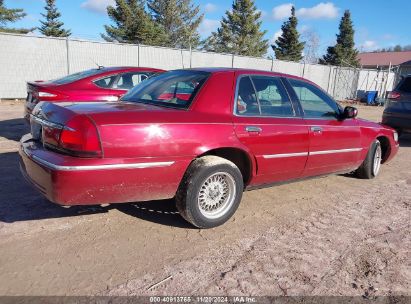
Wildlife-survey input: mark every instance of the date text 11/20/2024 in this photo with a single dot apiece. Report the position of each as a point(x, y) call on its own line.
point(203, 299)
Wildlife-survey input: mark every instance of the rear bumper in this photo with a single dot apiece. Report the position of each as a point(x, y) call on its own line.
point(397, 121)
point(67, 180)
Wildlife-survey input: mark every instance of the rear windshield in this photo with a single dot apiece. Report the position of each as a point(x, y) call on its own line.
point(175, 89)
point(77, 76)
point(405, 85)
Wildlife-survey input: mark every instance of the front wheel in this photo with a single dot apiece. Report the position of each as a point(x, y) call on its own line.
point(372, 163)
point(210, 191)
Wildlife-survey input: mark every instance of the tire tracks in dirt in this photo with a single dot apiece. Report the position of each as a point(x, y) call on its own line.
point(357, 246)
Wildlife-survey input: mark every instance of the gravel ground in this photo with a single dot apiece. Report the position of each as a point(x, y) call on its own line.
point(330, 236)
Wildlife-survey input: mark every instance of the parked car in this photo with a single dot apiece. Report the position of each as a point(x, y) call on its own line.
point(397, 112)
point(100, 84)
point(231, 130)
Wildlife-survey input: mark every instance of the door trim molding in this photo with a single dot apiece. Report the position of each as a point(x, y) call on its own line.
point(284, 155)
point(335, 151)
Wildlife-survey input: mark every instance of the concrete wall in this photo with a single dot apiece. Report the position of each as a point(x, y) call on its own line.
point(25, 58)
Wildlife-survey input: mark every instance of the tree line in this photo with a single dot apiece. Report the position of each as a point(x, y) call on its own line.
point(175, 23)
point(397, 48)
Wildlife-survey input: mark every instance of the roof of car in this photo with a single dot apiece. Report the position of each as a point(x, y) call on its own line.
point(244, 71)
point(115, 68)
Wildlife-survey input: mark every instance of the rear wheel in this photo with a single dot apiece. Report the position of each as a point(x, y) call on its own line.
point(210, 192)
point(371, 166)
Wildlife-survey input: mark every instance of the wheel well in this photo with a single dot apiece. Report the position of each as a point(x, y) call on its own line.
point(238, 157)
point(385, 147)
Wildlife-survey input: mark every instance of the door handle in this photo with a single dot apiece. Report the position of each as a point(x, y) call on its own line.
point(316, 129)
point(252, 129)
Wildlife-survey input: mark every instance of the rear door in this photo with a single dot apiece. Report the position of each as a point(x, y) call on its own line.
point(335, 143)
point(270, 125)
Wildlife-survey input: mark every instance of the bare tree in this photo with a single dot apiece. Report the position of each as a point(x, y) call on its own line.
point(312, 45)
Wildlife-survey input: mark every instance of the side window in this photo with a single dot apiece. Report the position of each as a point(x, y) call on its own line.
point(315, 103)
point(246, 103)
point(106, 83)
point(127, 81)
point(272, 96)
point(262, 96)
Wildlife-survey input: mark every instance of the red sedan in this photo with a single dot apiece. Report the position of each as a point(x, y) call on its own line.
point(201, 136)
point(102, 84)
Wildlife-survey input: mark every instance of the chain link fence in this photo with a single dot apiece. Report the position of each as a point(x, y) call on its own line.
point(26, 58)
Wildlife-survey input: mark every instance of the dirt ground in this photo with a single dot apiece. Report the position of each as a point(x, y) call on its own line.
point(331, 236)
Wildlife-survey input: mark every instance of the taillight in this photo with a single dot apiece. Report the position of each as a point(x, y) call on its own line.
point(394, 95)
point(46, 94)
point(80, 137)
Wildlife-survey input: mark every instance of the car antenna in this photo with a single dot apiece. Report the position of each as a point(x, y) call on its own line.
point(98, 66)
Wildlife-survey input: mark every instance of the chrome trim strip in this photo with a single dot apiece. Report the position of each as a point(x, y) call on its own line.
point(285, 155)
point(100, 167)
point(46, 123)
point(335, 151)
point(50, 124)
point(311, 153)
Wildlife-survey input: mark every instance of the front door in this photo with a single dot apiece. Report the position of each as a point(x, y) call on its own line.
point(268, 123)
point(335, 143)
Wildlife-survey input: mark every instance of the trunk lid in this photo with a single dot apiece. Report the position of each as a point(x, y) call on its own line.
point(75, 128)
point(101, 113)
point(45, 87)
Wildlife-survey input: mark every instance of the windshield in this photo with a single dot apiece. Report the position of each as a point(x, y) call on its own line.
point(77, 76)
point(175, 89)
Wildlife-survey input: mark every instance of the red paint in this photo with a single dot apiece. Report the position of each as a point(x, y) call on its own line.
point(131, 133)
point(80, 90)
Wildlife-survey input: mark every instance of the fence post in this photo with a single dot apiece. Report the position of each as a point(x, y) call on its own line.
point(232, 60)
point(335, 80)
point(191, 59)
point(354, 84)
point(68, 56)
point(272, 63)
point(138, 55)
point(303, 70)
point(329, 80)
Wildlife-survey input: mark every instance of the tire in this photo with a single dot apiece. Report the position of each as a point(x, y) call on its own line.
point(210, 191)
point(372, 164)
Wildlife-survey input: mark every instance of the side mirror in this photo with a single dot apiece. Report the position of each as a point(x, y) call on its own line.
point(350, 112)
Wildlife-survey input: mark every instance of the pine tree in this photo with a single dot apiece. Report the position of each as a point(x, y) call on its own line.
point(9, 16)
point(397, 48)
point(344, 52)
point(239, 32)
point(180, 20)
point(52, 26)
point(288, 45)
point(132, 24)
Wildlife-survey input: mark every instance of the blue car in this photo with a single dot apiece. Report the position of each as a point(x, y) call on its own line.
point(397, 113)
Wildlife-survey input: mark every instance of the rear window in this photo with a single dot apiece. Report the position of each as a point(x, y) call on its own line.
point(405, 85)
point(76, 76)
point(175, 89)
